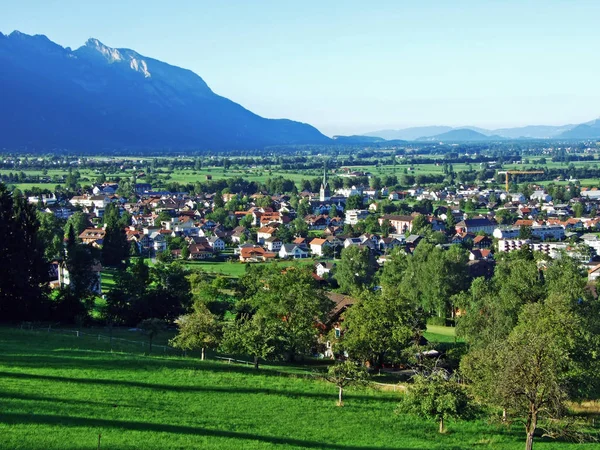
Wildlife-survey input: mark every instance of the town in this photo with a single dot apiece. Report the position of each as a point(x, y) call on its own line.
point(225, 227)
point(317, 225)
point(359, 263)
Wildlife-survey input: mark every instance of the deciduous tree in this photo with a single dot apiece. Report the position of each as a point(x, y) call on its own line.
point(345, 374)
point(198, 330)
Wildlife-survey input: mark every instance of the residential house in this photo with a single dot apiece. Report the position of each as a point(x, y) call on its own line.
point(60, 270)
point(265, 233)
point(412, 241)
point(99, 201)
point(92, 235)
point(591, 193)
point(237, 234)
point(273, 244)
point(352, 241)
point(255, 253)
point(200, 251)
point(400, 223)
point(324, 267)
point(301, 242)
point(319, 222)
point(594, 273)
point(548, 232)
point(159, 242)
point(341, 304)
point(506, 232)
point(216, 243)
point(540, 196)
point(292, 251)
point(463, 238)
point(482, 242)
point(477, 254)
point(476, 225)
point(317, 246)
point(353, 216)
point(388, 243)
point(61, 212)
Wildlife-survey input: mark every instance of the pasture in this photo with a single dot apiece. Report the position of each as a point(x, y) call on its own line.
point(63, 392)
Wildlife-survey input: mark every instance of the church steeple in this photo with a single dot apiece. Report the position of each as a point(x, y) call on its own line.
point(324, 193)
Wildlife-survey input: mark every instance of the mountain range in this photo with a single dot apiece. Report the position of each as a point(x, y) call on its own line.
point(588, 130)
point(97, 97)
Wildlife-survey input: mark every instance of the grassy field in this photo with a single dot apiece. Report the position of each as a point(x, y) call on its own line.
point(261, 174)
point(438, 333)
point(61, 392)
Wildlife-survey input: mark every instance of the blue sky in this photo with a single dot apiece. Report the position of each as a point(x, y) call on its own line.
point(356, 66)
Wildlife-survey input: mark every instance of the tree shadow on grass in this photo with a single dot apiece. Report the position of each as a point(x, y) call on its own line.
point(187, 388)
point(66, 421)
point(69, 401)
point(65, 359)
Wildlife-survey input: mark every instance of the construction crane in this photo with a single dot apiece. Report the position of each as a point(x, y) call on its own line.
point(519, 172)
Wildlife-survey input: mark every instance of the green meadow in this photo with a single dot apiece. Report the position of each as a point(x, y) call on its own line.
point(64, 392)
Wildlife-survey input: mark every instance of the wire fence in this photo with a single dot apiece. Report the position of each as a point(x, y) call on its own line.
point(129, 345)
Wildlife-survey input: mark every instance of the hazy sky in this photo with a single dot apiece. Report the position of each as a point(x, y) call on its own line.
point(357, 66)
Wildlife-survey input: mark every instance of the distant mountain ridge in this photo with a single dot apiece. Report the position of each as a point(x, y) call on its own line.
point(460, 135)
point(588, 130)
point(106, 98)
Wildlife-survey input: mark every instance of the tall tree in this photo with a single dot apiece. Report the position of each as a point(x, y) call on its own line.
point(256, 336)
point(294, 299)
point(379, 328)
point(543, 350)
point(79, 221)
point(437, 396)
point(354, 202)
point(115, 248)
point(23, 270)
point(346, 374)
point(355, 269)
point(432, 276)
point(198, 330)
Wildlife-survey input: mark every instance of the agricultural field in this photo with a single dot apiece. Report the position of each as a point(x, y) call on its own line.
point(63, 392)
point(261, 174)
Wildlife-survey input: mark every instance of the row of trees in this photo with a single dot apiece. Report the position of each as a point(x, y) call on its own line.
point(532, 333)
point(533, 340)
point(275, 316)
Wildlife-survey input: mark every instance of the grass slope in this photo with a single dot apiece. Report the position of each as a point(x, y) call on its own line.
point(61, 392)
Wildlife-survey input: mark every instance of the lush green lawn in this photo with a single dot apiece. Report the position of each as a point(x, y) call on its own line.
point(59, 392)
point(108, 281)
point(438, 333)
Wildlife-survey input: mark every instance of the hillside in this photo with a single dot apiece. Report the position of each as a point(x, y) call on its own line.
point(460, 135)
point(61, 392)
point(409, 133)
point(590, 130)
point(97, 97)
point(356, 139)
